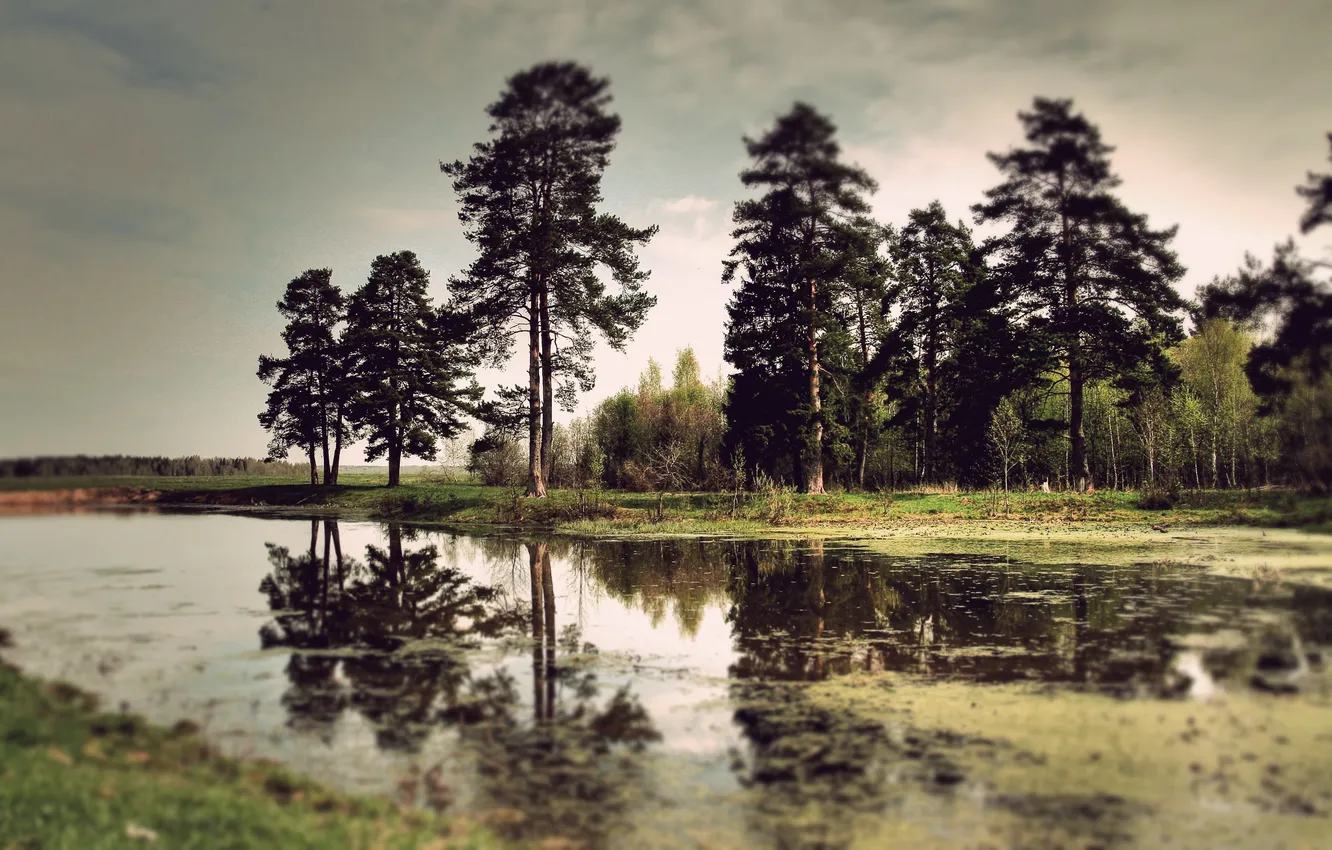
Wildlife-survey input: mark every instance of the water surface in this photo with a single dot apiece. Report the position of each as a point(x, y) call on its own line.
point(664, 693)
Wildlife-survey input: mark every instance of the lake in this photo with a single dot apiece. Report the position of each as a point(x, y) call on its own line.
point(718, 692)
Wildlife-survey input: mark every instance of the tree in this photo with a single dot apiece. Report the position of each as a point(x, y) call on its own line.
point(1291, 370)
point(793, 243)
point(411, 373)
point(1006, 435)
point(1300, 307)
point(528, 200)
point(1318, 192)
point(1212, 366)
point(302, 408)
point(1095, 282)
point(867, 289)
point(932, 272)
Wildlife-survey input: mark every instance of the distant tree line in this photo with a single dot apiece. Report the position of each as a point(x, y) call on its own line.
point(130, 465)
point(865, 354)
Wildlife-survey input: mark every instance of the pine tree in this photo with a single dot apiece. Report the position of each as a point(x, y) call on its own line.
point(411, 365)
point(528, 198)
point(794, 243)
point(1095, 282)
point(302, 407)
point(867, 290)
point(932, 271)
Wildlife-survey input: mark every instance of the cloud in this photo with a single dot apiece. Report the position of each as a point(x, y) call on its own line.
point(410, 220)
point(148, 49)
point(689, 204)
point(111, 217)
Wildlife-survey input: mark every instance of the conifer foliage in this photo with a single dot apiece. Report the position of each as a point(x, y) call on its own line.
point(410, 375)
point(528, 198)
point(1094, 280)
point(303, 409)
point(793, 244)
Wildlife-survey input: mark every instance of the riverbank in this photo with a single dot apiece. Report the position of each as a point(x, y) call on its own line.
point(423, 499)
point(73, 776)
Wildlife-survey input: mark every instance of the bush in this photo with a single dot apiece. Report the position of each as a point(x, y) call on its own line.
point(772, 500)
point(1159, 498)
point(497, 462)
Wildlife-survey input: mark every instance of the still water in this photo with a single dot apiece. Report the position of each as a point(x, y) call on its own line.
point(680, 692)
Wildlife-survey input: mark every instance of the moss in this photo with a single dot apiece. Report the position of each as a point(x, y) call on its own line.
point(1243, 769)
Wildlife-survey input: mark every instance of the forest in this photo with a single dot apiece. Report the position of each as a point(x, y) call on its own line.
point(863, 355)
point(46, 467)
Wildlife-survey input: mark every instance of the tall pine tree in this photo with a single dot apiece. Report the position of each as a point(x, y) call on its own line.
point(794, 243)
point(302, 408)
point(1096, 283)
point(411, 366)
point(932, 271)
point(528, 198)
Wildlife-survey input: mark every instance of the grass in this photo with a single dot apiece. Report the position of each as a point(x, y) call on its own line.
point(72, 776)
point(423, 498)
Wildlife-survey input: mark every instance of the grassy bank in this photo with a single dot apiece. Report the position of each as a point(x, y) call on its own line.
point(425, 499)
point(72, 776)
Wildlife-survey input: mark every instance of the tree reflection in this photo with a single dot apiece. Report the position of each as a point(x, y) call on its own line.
point(560, 768)
point(383, 635)
point(387, 636)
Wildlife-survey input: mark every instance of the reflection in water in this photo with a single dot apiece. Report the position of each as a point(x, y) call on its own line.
point(384, 635)
point(389, 637)
point(392, 637)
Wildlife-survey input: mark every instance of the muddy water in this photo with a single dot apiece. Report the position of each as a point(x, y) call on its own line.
point(710, 693)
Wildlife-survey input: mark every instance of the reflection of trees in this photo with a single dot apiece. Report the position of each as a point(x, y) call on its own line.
point(800, 613)
point(386, 636)
point(383, 636)
point(657, 576)
point(561, 767)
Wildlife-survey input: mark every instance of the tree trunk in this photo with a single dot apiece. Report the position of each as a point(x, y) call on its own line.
point(814, 472)
point(535, 553)
point(314, 471)
point(323, 599)
point(395, 563)
point(547, 390)
point(862, 449)
point(536, 483)
point(1079, 474)
point(548, 591)
point(395, 450)
point(323, 436)
point(337, 550)
point(1114, 458)
point(332, 477)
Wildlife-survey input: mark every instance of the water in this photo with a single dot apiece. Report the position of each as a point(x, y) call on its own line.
point(665, 693)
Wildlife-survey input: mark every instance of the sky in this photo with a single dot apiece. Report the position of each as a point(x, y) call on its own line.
point(167, 166)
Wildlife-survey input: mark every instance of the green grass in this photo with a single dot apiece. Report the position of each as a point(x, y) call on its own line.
point(75, 777)
point(431, 499)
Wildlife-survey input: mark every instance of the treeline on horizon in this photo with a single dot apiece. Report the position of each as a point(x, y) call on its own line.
point(865, 354)
point(65, 465)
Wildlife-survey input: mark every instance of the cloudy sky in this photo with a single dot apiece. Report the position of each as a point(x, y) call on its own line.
point(166, 166)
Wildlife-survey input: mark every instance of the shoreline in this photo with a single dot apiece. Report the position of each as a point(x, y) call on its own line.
point(1249, 550)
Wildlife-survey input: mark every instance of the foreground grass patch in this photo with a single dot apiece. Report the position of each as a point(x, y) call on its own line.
point(74, 777)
